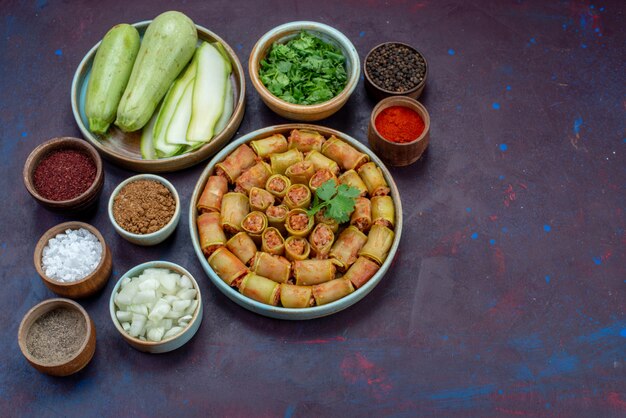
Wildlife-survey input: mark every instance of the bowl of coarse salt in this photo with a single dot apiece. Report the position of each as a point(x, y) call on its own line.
point(73, 260)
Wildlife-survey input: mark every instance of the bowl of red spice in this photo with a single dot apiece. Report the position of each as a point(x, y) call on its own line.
point(145, 209)
point(399, 130)
point(64, 174)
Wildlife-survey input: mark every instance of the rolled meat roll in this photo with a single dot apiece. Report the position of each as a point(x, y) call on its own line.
point(260, 289)
point(255, 176)
point(211, 198)
point(362, 215)
point(270, 145)
point(373, 178)
point(310, 272)
point(321, 218)
point(361, 271)
point(298, 223)
point(351, 178)
point(297, 196)
point(242, 246)
point(320, 161)
point(280, 162)
point(297, 248)
point(348, 157)
point(227, 266)
point(383, 211)
point(276, 217)
point(210, 232)
point(304, 140)
point(260, 199)
point(378, 243)
point(331, 291)
point(321, 240)
point(292, 296)
point(277, 185)
point(347, 246)
point(272, 241)
point(320, 177)
point(234, 208)
point(236, 163)
point(300, 173)
point(273, 267)
point(254, 224)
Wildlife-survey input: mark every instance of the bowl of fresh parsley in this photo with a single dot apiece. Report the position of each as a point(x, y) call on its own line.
point(304, 71)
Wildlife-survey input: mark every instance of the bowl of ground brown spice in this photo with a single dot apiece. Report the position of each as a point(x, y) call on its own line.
point(145, 209)
point(57, 337)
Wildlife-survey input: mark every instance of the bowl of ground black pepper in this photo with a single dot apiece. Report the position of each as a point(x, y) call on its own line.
point(64, 174)
point(144, 209)
point(395, 69)
point(57, 337)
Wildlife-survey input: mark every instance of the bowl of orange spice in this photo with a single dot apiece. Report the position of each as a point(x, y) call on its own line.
point(399, 130)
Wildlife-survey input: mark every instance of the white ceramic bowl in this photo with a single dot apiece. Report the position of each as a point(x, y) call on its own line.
point(276, 311)
point(154, 237)
point(168, 344)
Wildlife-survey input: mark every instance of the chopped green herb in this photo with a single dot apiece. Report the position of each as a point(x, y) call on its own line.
point(338, 201)
point(305, 70)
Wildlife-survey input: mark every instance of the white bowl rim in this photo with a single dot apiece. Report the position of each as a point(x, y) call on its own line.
point(155, 234)
point(136, 271)
point(292, 313)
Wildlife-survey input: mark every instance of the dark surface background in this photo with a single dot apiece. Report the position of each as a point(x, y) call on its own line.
point(507, 295)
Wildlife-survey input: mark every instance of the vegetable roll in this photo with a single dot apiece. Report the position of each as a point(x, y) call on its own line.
point(378, 243)
point(321, 218)
point(383, 211)
point(298, 223)
point(320, 177)
point(270, 145)
point(280, 162)
point(234, 208)
point(321, 240)
point(320, 161)
point(227, 266)
point(292, 296)
point(348, 157)
point(255, 176)
point(272, 241)
point(276, 217)
point(211, 198)
point(254, 224)
point(362, 215)
point(297, 248)
point(300, 173)
point(260, 199)
point(305, 140)
point(345, 249)
point(242, 246)
point(236, 163)
point(310, 272)
point(297, 196)
point(274, 267)
point(210, 232)
point(331, 291)
point(277, 185)
point(361, 271)
point(373, 178)
point(351, 178)
point(260, 289)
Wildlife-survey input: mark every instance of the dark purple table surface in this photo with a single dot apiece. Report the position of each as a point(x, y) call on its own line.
point(507, 295)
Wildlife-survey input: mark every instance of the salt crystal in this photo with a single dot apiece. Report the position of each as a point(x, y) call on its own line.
point(72, 255)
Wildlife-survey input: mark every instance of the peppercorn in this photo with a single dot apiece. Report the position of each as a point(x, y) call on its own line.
point(396, 67)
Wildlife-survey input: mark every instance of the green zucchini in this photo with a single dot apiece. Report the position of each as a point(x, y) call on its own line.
point(110, 72)
point(209, 93)
point(146, 145)
point(177, 128)
point(167, 46)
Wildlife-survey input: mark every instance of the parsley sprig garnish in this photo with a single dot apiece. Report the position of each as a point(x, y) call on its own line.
point(338, 201)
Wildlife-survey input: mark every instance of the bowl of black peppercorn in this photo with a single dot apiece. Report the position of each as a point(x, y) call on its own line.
point(395, 69)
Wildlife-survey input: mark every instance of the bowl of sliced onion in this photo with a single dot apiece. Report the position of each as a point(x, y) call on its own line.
point(156, 306)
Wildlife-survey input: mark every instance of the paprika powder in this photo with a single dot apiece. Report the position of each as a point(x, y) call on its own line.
point(64, 174)
point(399, 124)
